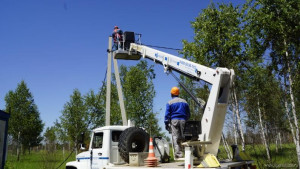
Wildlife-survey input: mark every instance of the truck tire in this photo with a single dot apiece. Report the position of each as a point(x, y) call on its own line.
point(133, 139)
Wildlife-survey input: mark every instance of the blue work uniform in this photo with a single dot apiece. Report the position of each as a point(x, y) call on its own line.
point(177, 113)
point(177, 108)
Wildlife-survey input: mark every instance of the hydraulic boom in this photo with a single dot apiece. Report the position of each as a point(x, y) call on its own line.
point(220, 79)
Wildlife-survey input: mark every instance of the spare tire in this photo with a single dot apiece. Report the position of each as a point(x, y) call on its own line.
point(133, 139)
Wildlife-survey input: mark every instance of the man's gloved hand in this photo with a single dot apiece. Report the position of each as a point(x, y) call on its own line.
point(167, 126)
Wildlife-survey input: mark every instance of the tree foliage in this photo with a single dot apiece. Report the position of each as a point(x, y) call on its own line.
point(74, 119)
point(218, 37)
point(84, 113)
point(25, 125)
point(115, 111)
point(200, 90)
point(50, 136)
point(139, 93)
point(265, 89)
point(245, 38)
point(219, 41)
point(95, 108)
point(272, 28)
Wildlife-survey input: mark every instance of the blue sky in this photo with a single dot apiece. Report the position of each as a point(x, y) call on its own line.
point(56, 46)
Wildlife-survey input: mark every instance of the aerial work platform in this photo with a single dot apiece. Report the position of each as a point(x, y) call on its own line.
point(126, 55)
point(123, 51)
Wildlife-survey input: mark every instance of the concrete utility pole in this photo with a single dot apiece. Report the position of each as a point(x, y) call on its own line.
point(119, 88)
point(120, 94)
point(108, 83)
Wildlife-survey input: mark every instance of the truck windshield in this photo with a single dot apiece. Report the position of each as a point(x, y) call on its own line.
point(97, 140)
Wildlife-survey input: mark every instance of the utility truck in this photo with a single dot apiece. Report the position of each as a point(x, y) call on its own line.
point(111, 146)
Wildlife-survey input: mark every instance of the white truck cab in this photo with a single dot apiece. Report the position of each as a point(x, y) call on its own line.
point(111, 145)
point(103, 149)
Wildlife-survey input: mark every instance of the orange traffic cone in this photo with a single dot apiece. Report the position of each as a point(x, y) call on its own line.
point(151, 161)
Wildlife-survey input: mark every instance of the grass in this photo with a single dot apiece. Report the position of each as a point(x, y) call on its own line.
point(284, 158)
point(41, 159)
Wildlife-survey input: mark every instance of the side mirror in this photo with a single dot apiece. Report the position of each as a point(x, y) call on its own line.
point(82, 138)
point(82, 147)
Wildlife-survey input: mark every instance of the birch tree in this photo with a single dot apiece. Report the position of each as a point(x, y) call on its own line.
point(278, 24)
point(263, 102)
point(218, 42)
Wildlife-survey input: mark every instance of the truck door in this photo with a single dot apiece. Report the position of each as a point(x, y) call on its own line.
point(97, 151)
point(115, 157)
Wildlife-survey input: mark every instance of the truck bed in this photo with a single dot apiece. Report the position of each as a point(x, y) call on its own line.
point(224, 165)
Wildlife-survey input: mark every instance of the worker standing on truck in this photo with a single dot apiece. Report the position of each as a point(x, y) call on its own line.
point(177, 113)
point(117, 36)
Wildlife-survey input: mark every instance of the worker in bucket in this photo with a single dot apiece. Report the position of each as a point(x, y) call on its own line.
point(177, 113)
point(117, 36)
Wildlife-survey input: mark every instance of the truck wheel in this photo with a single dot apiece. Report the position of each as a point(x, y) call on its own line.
point(133, 139)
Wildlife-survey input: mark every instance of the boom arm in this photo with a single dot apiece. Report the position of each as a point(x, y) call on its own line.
point(175, 63)
point(220, 78)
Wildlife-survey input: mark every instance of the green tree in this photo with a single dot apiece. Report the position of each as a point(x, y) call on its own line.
point(25, 125)
point(263, 103)
point(95, 108)
point(50, 137)
point(200, 90)
point(62, 138)
point(218, 42)
point(139, 92)
point(277, 28)
point(74, 119)
point(115, 110)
